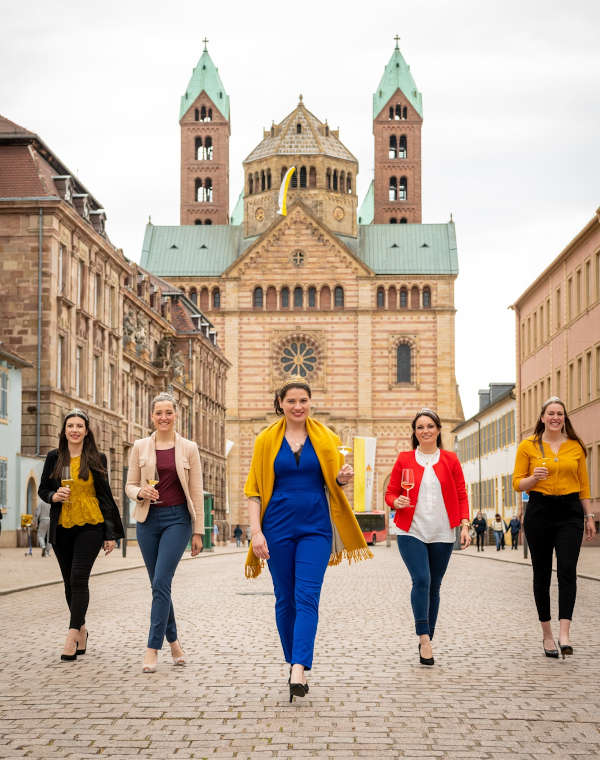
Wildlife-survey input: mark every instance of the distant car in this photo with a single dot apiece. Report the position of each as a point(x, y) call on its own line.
point(372, 525)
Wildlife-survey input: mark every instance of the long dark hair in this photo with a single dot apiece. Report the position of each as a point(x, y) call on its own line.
point(432, 416)
point(280, 394)
point(90, 456)
point(569, 429)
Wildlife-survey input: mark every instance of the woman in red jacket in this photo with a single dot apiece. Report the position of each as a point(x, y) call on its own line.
point(426, 519)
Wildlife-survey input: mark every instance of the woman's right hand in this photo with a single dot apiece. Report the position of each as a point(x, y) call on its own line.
point(62, 494)
point(147, 492)
point(401, 502)
point(540, 473)
point(259, 545)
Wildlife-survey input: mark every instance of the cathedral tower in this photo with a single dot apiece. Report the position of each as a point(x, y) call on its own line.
point(205, 129)
point(397, 121)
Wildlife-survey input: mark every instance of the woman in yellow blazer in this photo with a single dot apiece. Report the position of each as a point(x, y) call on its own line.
point(165, 480)
point(550, 464)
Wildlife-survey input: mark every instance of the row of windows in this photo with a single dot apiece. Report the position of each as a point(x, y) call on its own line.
point(203, 221)
point(91, 291)
point(394, 298)
point(493, 494)
point(398, 189)
point(496, 435)
point(402, 220)
point(398, 148)
point(582, 290)
point(203, 149)
point(334, 180)
point(203, 190)
point(273, 300)
point(203, 114)
point(205, 299)
point(398, 112)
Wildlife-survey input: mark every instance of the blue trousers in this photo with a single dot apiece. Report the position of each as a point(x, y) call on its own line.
point(298, 567)
point(426, 564)
point(162, 539)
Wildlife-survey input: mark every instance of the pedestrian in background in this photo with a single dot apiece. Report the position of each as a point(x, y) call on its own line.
point(551, 465)
point(480, 526)
point(237, 534)
point(515, 528)
point(83, 517)
point(296, 466)
point(41, 522)
point(248, 534)
point(426, 519)
point(165, 480)
point(498, 527)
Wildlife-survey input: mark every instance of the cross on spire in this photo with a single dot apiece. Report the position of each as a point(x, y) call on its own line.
point(397, 41)
point(205, 41)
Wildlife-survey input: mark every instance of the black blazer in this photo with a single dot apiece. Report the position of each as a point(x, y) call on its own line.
point(113, 527)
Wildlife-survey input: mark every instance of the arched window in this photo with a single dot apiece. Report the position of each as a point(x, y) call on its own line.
point(216, 298)
point(403, 298)
point(294, 179)
point(194, 296)
point(257, 298)
point(380, 298)
point(414, 297)
point(198, 221)
point(335, 179)
point(198, 190)
point(284, 298)
point(348, 183)
point(338, 297)
point(203, 113)
point(256, 182)
point(198, 148)
point(393, 189)
point(328, 176)
point(403, 220)
point(392, 297)
point(312, 177)
point(405, 113)
point(263, 181)
point(402, 147)
point(208, 221)
point(391, 113)
point(393, 220)
point(283, 171)
point(426, 297)
point(204, 299)
point(208, 149)
point(398, 112)
point(298, 297)
point(298, 129)
point(208, 190)
point(196, 114)
point(393, 152)
point(312, 297)
point(250, 184)
point(271, 299)
point(342, 181)
point(303, 176)
point(403, 363)
point(403, 189)
point(268, 179)
point(325, 297)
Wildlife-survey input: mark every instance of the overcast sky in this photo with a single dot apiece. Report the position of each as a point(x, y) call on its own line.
point(511, 100)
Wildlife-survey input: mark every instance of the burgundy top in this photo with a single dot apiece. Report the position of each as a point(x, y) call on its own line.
point(169, 487)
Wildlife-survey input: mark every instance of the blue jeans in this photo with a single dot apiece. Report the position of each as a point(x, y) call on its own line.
point(162, 539)
point(426, 564)
point(498, 534)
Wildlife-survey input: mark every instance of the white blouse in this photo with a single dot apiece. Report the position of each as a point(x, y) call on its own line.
point(430, 522)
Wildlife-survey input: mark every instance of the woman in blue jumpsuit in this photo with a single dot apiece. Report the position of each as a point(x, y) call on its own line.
point(296, 534)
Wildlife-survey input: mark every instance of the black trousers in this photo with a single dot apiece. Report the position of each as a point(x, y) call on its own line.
point(554, 523)
point(76, 550)
point(480, 540)
point(515, 540)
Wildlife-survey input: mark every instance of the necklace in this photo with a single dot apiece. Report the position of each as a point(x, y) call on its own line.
point(295, 444)
point(428, 457)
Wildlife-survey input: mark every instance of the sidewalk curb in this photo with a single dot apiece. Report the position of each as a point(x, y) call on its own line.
point(16, 589)
point(525, 564)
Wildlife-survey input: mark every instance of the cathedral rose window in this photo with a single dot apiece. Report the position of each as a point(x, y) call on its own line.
point(298, 358)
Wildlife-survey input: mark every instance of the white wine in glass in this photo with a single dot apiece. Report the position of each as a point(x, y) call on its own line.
point(407, 479)
point(66, 480)
point(153, 482)
point(345, 448)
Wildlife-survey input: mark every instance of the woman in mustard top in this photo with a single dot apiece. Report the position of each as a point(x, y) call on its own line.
point(83, 517)
point(550, 464)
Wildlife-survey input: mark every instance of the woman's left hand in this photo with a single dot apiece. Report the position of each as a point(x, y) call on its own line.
point(465, 538)
point(108, 546)
point(197, 544)
point(590, 528)
point(345, 475)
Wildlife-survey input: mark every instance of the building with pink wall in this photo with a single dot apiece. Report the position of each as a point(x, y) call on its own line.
point(558, 344)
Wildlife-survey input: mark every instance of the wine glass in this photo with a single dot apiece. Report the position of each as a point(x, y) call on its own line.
point(541, 462)
point(153, 481)
point(407, 480)
point(345, 447)
point(66, 480)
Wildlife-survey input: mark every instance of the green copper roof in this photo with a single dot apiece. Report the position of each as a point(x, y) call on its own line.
point(409, 248)
point(396, 75)
point(367, 208)
point(207, 250)
point(237, 215)
point(205, 77)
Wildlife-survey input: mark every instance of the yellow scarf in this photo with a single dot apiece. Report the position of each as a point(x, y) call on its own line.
point(261, 480)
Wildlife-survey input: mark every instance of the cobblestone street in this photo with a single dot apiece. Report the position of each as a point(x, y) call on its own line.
point(491, 694)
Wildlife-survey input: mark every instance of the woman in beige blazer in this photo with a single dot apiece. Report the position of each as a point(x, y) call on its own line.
point(165, 480)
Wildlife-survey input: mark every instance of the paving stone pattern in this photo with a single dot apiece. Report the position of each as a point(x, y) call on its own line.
point(491, 694)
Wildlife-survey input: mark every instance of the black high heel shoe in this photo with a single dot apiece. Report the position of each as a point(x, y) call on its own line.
point(550, 652)
point(298, 690)
point(82, 651)
point(425, 660)
point(565, 649)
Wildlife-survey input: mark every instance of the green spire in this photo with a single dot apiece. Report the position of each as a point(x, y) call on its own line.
point(397, 75)
point(205, 77)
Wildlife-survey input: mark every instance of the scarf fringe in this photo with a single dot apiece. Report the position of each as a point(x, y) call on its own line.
point(352, 555)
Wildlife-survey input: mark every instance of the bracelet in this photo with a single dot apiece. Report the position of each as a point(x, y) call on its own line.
point(341, 485)
point(590, 514)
